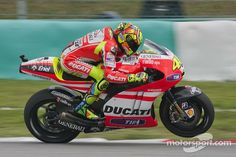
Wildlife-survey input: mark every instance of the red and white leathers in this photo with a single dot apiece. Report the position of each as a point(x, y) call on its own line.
point(80, 57)
point(96, 47)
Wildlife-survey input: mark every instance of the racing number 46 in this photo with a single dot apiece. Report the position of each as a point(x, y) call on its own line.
point(176, 63)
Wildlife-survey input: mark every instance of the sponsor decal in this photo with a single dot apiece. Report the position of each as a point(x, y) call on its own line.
point(96, 36)
point(148, 61)
point(110, 60)
point(79, 67)
point(133, 122)
point(63, 101)
point(71, 125)
point(125, 111)
point(190, 112)
point(34, 67)
point(173, 77)
point(129, 60)
point(41, 68)
point(44, 69)
point(184, 105)
point(55, 93)
point(116, 78)
point(195, 90)
point(78, 42)
point(150, 56)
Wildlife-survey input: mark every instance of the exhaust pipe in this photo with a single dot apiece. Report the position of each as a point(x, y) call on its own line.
point(75, 123)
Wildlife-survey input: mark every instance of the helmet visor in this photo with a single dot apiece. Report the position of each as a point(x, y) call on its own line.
point(132, 44)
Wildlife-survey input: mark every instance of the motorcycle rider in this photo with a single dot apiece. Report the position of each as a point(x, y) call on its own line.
point(86, 56)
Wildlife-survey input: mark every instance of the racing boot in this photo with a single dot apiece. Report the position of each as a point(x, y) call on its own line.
point(82, 108)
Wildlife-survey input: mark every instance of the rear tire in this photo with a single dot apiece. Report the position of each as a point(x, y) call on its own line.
point(201, 122)
point(50, 132)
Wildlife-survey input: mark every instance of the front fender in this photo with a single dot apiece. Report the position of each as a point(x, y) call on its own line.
point(183, 93)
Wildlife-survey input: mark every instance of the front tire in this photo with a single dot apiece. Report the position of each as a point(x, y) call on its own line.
point(198, 124)
point(40, 116)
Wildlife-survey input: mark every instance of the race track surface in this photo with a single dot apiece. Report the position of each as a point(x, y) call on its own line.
point(38, 149)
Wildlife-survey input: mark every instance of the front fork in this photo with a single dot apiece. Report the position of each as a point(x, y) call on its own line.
point(172, 100)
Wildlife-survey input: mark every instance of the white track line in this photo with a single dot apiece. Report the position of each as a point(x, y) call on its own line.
point(94, 140)
point(85, 140)
point(10, 108)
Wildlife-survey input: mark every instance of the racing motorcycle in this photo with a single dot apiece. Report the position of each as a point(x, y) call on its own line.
point(184, 110)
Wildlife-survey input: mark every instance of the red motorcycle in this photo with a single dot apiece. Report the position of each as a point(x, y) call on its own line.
point(185, 111)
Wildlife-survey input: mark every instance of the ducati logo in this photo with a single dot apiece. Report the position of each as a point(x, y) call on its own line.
point(125, 111)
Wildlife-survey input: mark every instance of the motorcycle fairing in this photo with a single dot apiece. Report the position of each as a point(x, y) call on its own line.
point(49, 68)
point(130, 109)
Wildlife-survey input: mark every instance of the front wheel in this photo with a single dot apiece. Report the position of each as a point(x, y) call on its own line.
point(41, 119)
point(200, 113)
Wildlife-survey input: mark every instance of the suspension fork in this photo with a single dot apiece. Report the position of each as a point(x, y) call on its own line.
point(172, 100)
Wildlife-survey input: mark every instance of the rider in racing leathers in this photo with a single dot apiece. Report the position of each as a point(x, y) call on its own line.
point(85, 57)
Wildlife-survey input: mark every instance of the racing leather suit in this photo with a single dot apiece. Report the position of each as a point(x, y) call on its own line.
point(85, 57)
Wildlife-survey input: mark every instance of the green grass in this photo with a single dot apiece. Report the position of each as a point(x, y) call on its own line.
point(61, 9)
point(15, 94)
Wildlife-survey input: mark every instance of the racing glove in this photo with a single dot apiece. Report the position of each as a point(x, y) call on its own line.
point(139, 77)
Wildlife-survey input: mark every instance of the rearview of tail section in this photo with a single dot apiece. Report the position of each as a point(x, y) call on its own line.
point(39, 67)
point(49, 68)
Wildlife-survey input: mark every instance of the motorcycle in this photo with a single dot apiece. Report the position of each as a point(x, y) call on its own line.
point(184, 110)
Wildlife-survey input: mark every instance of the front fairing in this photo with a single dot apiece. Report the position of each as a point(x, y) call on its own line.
point(155, 56)
point(163, 67)
point(151, 56)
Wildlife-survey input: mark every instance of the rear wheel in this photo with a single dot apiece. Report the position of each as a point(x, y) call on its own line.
point(200, 113)
point(41, 118)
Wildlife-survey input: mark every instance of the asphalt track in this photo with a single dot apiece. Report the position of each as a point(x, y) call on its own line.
point(76, 149)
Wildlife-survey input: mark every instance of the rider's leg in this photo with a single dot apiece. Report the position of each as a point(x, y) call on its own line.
point(98, 86)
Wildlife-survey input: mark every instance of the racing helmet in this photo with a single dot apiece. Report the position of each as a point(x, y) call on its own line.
point(129, 37)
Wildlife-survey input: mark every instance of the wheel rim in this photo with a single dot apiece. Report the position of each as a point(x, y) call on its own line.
point(199, 119)
point(48, 117)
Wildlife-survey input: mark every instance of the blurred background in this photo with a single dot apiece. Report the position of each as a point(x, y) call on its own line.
point(92, 9)
point(201, 32)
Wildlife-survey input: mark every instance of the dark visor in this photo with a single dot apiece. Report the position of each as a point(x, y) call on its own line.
point(132, 44)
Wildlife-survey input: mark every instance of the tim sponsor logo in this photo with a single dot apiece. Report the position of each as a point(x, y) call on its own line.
point(132, 122)
point(173, 77)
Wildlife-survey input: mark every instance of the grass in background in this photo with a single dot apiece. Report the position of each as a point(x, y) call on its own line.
point(62, 9)
point(15, 93)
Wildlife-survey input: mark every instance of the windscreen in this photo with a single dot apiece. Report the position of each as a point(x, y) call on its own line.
point(151, 47)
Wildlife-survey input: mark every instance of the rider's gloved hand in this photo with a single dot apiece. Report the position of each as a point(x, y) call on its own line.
point(139, 77)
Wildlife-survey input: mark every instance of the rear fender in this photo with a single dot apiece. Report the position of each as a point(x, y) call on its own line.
point(183, 93)
point(65, 95)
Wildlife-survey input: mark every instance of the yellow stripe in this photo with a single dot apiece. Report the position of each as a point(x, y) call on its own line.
point(99, 47)
point(58, 71)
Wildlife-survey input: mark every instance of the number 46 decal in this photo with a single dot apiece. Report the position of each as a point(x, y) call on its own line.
point(176, 63)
